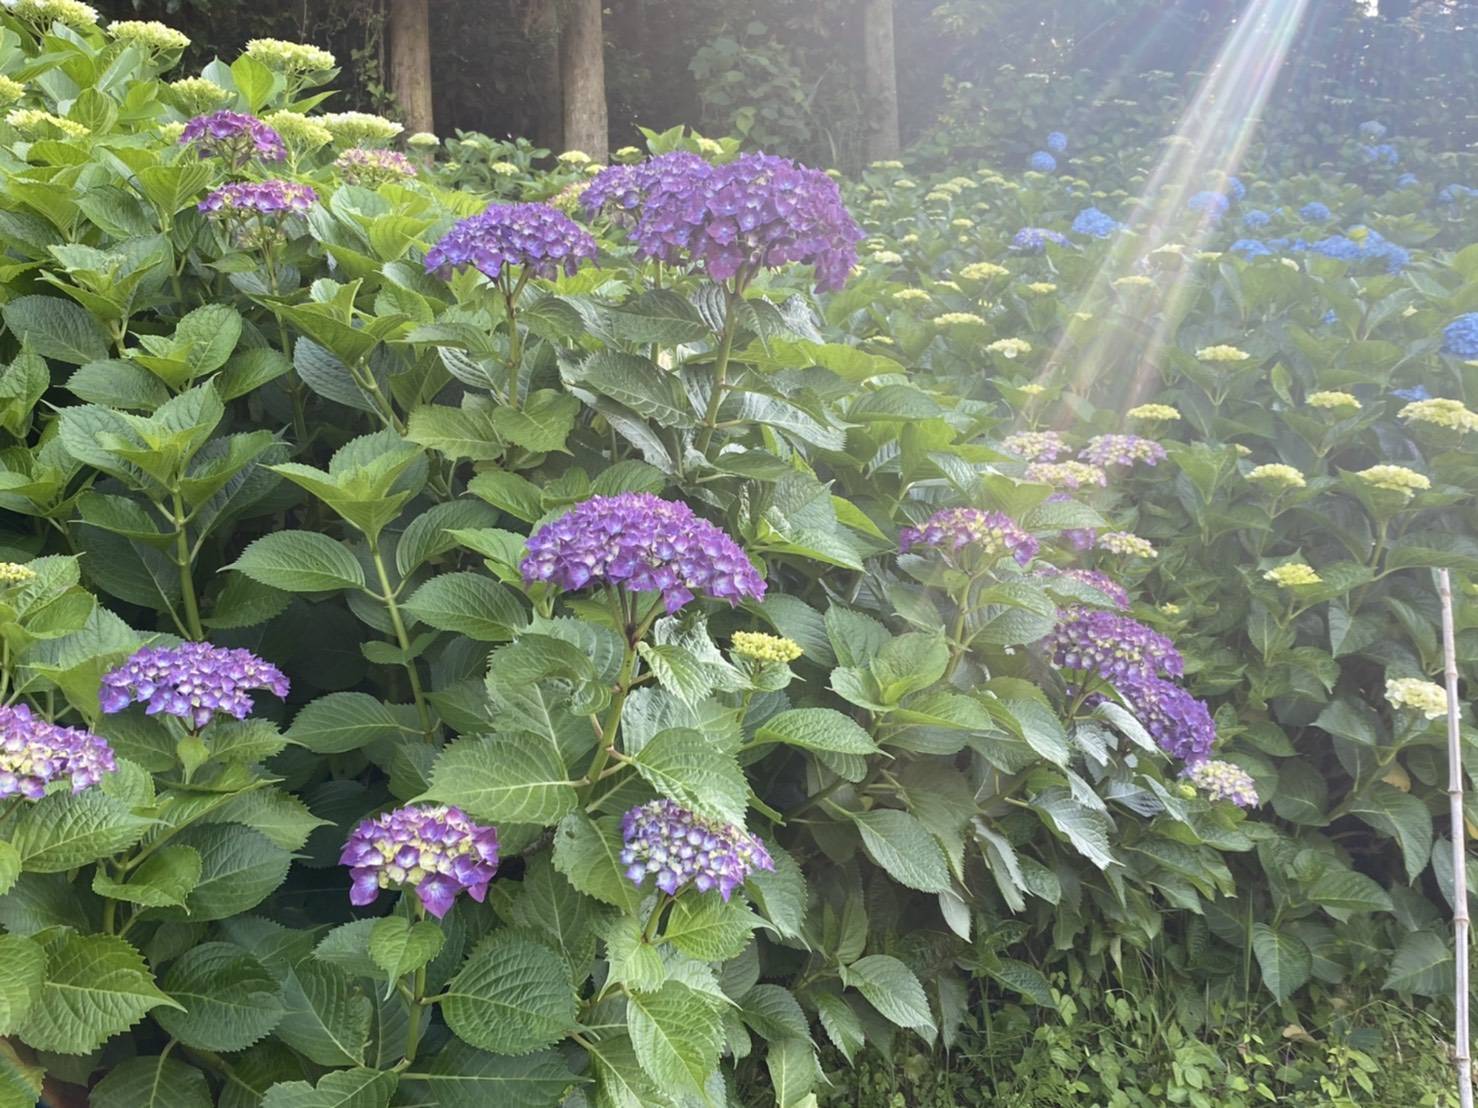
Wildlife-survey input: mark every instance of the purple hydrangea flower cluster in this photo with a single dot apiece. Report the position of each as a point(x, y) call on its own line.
point(991, 534)
point(234, 136)
point(34, 753)
point(1034, 240)
point(645, 544)
point(1223, 781)
point(1035, 446)
point(437, 851)
point(623, 188)
point(679, 848)
point(536, 236)
point(1093, 578)
point(1122, 450)
point(193, 681)
point(1180, 724)
point(732, 220)
point(361, 166)
point(1112, 646)
point(260, 198)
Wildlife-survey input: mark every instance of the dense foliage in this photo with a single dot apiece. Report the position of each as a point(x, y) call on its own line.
point(620, 651)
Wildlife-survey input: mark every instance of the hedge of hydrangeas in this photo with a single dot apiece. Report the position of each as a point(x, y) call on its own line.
point(1072, 558)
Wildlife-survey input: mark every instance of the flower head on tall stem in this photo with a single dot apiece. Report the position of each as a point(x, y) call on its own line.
point(1110, 646)
point(970, 531)
point(643, 544)
point(34, 753)
point(678, 849)
point(544, 241)
point(233, 136)
point(436, 850)
point(194, 681)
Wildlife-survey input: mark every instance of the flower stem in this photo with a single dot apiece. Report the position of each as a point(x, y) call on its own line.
point(418, 988)
point(387, 597)
point(187, 579)
point(720, 369)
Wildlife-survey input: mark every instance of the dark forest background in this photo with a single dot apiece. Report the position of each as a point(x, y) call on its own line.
point(810, 77)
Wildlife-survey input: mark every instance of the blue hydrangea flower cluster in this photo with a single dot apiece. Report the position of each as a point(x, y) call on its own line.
point(1373, 247)
point(1256, 217)
point(1382, 154)
point(1407, 181)
point(1093, 578)
point(984, 534)
point(645, 544)
point(1056, 142)
point(437, 851)
point(1043, 162)
point(1315, 212)
point(1122, 450)
point(1095, 224)
point(1111, 646)
point(194, 681)
point(234, 136)
point(268, 198)
point(1236, 189)
point(1251, 248)
point(1180, 724)
point(538, 237)
point(1034, 240)
point(1223, 781)
point(1451, 194)
point(1373, 129)
point(1460, 337)
point(1414, 394)
point(732, 220)
point(679, 849)
point(34, 753)
point(1209, 204)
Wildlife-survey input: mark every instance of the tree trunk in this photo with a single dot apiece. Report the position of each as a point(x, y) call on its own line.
point(881, 75)
point(550, 112)
point(409, 28)
point(582, 64)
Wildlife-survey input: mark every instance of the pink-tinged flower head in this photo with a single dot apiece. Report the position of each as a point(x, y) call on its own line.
point(437, 851)
point(536, 236)
point(1223, 781)
point(234, 136)
point(1111, 646)
point(261, 198)
point(1121, 450)
point(194, 681)
point(678, 848)
point(987, 535)
point(34, 753)
point(361, 166)
point(645, 544)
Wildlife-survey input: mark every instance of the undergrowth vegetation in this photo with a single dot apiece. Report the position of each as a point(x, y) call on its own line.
point(669, 644)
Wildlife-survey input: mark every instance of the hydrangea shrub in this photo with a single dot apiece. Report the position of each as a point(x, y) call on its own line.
point(636, 634)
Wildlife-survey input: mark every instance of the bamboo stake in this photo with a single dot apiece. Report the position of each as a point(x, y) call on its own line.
point(1462, 1052)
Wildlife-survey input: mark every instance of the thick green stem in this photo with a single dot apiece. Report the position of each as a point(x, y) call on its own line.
point(611, 724)
point(650, 931)
point(187, 578)
point(387, 597)
point(720, 370)
point(418, 989)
